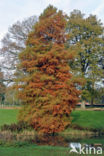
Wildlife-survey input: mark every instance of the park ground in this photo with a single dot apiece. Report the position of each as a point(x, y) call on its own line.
point(82, 118)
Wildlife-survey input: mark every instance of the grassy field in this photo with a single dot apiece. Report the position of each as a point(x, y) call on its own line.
point(8, 116)
point(89, 119)
point(33, 150)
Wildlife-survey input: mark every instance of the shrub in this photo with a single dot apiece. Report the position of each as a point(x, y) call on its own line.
point(20, 126)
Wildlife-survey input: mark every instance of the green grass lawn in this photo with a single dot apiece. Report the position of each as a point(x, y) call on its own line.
point(90, 119)
point(33, 150)
point(8, 116)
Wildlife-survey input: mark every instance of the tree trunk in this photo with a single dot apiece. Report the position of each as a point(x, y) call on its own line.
point(92, 101)
point(83, 105)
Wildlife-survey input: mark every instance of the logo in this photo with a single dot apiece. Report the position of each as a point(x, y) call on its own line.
point(84, 149)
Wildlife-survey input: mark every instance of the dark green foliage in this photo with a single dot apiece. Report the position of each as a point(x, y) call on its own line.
point(20, 126)
point(2, 88)
point(86, 37)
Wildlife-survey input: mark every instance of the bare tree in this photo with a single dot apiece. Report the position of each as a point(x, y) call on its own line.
point(13, 43)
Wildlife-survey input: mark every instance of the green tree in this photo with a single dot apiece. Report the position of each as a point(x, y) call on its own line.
point(86, 37)
point(2, 88)
point(11, 97)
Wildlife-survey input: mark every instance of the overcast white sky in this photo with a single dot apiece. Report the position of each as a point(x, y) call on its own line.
point(13, 10)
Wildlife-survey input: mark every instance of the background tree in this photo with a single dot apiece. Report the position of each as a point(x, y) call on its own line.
point(2, 88)
point(11, 97)
point(86, 36)
point(47, 88)
point(13, 43)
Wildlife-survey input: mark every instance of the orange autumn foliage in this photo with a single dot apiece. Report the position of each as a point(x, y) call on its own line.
point(46, 88)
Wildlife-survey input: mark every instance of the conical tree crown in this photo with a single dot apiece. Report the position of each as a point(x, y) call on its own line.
point(47, 90)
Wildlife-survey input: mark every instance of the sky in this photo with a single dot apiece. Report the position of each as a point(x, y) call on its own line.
point(14, 10)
